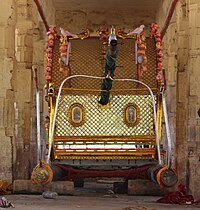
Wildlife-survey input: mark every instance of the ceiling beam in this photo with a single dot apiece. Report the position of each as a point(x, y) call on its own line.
point(169, 17)
point(41, 12)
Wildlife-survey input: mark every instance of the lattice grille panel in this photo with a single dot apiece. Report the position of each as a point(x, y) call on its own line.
point(105, 122)
point(135, 91)
point(126, 63)
point(128, 68)
point(57, 77)
point(86, 59)
point(150, 75)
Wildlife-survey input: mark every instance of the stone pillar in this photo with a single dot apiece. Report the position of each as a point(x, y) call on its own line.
point(30, 42)
point(188, 56)
point(39, 60)
point(182, 58)
point(7, 65)
point(182, 93)
point(23, 88)
point(170, 48)
point(193, 123)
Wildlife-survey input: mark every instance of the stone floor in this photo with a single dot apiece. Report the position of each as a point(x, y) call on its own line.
point(98, 197)
point(92, 202)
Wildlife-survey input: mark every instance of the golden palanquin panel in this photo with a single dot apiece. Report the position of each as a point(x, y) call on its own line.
point(105, 122)
point(86, 60)
point(57, 77)
point(104, 127)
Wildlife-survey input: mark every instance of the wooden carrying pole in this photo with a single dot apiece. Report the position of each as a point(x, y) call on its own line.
point(39, 154)
point(41, 12)
point(169, 17)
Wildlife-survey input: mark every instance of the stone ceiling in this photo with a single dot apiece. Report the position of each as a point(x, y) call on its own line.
point(128, 5)
point(77, 14)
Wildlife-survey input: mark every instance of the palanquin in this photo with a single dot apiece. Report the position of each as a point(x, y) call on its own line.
point(124, 133)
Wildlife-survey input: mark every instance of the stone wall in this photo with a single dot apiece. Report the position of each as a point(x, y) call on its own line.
point(182, 56)
point(39, 61)
point(181, 61)
point(7, 65)
point(170, 48)
point(21, 44)
point(93, 19)
point(192, 93)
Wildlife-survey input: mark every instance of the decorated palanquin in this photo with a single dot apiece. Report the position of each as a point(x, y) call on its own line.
point(125, 130)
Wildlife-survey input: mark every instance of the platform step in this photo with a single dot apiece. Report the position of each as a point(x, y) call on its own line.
point(27, 187)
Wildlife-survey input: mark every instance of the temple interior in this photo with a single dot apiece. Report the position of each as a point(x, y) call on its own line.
point(90, 88)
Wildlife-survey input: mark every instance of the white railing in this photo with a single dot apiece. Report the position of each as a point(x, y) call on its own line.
point(95, 77)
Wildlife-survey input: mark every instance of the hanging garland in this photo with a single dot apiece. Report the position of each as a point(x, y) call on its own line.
point(109, 54)
point(140, 51)
point(64, 49)
point(64, 56)
point(141, 55)
point(154, 32)
point(103, 36)
point(49, 52)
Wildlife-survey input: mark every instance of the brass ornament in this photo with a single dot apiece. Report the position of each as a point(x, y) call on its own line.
point(76, 115)
point(131, 114)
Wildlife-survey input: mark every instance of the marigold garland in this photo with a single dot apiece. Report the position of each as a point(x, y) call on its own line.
point(49, 52)
point(154, 32)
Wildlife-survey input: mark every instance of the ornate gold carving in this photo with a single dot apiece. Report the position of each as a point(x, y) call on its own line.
point(113, 156)
point(94, 139)
point(76, 114)
point(99, 121)
point(103, 34)
point(82, 35)
point(124, 35)
point(159, 116)
point(131, 114)
point(103, 124)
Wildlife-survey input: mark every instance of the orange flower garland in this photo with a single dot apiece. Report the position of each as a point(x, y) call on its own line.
point(154, 32)
point(104, 35)
point(63, 60)
point(49, 52)
point(141, 55)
